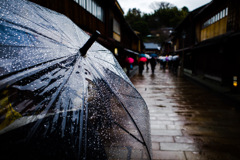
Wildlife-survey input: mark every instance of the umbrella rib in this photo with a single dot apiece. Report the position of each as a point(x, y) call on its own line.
point(132, 88)
point(131, 96)
point(33, 130)
point(119, 101)
point(128, 113)
point(8, 79)
point(125, 110)
point(129, 133)
point(81, 127)
point(55, 26)
point(99, 58)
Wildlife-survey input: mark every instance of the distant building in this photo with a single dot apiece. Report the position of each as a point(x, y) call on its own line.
point(105, 16)
point(166, 48)
point(207, 41)
point(151, 48)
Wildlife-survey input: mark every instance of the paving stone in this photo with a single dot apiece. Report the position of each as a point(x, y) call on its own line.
point(158, 126)
point(174, 127)
point(178, 147)
point(155, 146)
point(181, 139)
point(162, 122)
point(168, 155)
point(166, 132)
point(157, 138)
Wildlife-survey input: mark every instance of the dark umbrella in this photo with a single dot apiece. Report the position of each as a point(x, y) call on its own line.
point(154, 55)
point(142, 55)
point(59, 101)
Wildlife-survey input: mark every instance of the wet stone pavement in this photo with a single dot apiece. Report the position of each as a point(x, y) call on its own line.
point(188, 122)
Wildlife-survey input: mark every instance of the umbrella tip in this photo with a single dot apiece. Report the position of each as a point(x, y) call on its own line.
point(89, 43)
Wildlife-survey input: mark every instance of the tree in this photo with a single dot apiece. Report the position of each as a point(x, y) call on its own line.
point(161, 5)
point(165, 15)
point(133, 15)
point(141, 26)
point(185, 9)
point(136, 21)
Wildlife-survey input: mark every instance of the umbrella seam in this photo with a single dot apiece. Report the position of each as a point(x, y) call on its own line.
point(8, 77)
point(33, 130)
point(125, 110)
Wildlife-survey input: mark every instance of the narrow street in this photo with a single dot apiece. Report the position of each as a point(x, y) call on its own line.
point(188, 121)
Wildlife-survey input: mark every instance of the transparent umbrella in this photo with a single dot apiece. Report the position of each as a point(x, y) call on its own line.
point(60, 100)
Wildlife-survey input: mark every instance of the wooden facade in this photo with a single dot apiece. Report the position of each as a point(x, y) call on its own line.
point(116, 34)
point(207, 41)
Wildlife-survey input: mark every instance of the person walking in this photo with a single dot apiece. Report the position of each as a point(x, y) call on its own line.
point(153, 64)
point(141, 63)
point(141, 67)
point(129, 61)
point(147, 64)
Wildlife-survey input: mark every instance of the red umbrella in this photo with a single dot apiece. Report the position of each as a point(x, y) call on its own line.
point(130, 60)
point(143, 59)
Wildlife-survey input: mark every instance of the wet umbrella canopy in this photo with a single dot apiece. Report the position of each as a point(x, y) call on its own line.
point(153, 55)
point(142, 59)
point(130, 60)
point(142, 55)
point(56, 103)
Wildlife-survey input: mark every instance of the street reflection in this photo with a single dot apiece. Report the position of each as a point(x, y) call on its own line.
point(187, 120)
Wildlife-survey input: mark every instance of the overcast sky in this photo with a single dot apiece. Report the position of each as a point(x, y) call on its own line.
point(144, 5)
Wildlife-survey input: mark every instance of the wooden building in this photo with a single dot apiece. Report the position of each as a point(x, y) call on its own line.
point(107, 17)
point(207, 42)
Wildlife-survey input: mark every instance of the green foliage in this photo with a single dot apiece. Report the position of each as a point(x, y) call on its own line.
point(165, 15)
point(136, 21)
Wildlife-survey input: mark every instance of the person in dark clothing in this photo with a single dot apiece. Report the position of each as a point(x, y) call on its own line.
point(164, 63)
point(141, 67)
point(147, 64)
point(153, 64)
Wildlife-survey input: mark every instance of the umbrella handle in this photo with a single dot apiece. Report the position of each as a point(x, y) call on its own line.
point(89, 43)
